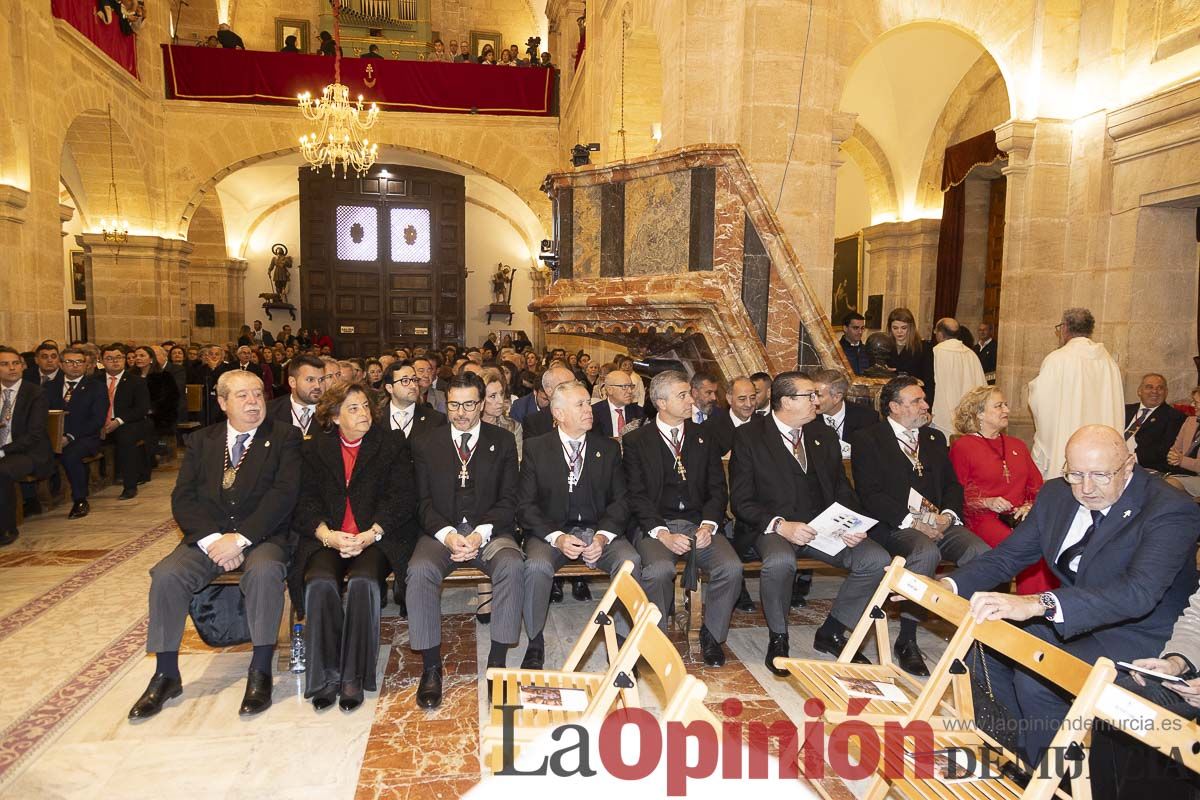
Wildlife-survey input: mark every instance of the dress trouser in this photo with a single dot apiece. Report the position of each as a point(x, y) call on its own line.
point(719, 563)
point(922, 555)
point(342, 647)
point(542, 560)
point(12, 469)
point(132, 465)
point(865, 561)
point(429, 566)
point(72, 463)
point(186, 570)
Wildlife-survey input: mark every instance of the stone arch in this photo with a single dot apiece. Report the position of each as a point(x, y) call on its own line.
point(869, 157)
point(85, 159)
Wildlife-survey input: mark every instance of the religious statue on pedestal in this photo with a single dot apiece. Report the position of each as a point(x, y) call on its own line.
point(279, 271)
point(501, 280)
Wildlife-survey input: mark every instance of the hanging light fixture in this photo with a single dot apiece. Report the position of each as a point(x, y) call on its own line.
point(116, 230)
point(341, 126)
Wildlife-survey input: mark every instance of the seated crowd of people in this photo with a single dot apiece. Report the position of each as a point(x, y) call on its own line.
point(327, 473)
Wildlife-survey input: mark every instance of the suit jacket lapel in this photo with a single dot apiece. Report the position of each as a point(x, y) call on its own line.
point(255, 455)
point(214, 466)
point(1062, 524)
point(1123, 512)
point(816, 454)
point(775, 445)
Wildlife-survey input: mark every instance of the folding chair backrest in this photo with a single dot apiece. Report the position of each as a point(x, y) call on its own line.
point(688, 704)
point(623, 589)
point(56, 423)
point(620, 671)
point(1151, 724)
point(195, 395)
point(664, 661)
point(1034, 655)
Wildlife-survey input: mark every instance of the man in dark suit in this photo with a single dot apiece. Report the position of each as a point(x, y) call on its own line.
point(233, 501)
point(466, 487)
point(890, 460)
point(306, 379)
point(609, 417)
point(985, 348)
point(125, 421)
point(411, 418)
point(1153, 423)
point(743, 400)
point(854, 325)
point(206, 372)
point(542, 421)
point(571, 505)
point(845, 418)
point(1123, 546)
point(24, 446)
point(245, 363)
point(677, 496)
point(86, 404)
point(785, 470)
point(705, 388)
point(46, 368)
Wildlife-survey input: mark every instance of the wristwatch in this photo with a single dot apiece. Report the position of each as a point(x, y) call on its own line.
point(1049, 603)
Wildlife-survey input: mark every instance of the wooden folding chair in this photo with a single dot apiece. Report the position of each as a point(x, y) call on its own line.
point(683, 694)
point(1154, 726)
point(1030, 653)
point(603, 691)
point(818, 678)
point(623, 588)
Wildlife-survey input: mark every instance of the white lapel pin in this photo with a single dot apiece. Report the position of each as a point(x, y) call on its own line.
point(816, 441)
point(597, 454)
point(1126, 515)
point(701, 441)
point(267, 443)
point(492, 449)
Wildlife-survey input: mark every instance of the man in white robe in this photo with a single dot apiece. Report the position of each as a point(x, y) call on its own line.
point(956, 371)
point(1078, 384)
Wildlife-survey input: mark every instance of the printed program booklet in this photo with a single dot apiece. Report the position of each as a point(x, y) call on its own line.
point(835, 522)
point(953, 765)
point(871, 689)
point(553, 698)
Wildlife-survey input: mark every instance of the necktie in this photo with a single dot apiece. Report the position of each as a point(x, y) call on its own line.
point(305, 416)
point(1076, 550)
point(675, 437)
point(576, 462)
point(1137, 423)
point(700, 416)
point(70, 391)
point(239, 448)
point(1195, 446)
point(464, 452)
point(45, 379)
point(798, 449)
point(6, 412)
point(112, 397)
point(620, 421)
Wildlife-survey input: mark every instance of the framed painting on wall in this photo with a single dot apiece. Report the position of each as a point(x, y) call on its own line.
point(292, 27)
point(79, 262)
point(480, 39)
point(847, 277)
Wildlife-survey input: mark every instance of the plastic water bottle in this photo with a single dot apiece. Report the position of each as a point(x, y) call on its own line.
point(298, 648)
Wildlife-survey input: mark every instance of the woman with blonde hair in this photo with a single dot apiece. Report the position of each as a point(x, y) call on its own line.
point(913, 356)
point(496, 402)
point(998, 476)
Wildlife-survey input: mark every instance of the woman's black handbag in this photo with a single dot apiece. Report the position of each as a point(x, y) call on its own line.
point(991, 717)
point(219, 614)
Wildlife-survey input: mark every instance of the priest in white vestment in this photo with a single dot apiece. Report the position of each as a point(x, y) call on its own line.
point(956, 371)
point(1079, 384)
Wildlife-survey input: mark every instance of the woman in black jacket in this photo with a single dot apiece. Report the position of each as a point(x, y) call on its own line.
point(354, 518)
point(164, 397)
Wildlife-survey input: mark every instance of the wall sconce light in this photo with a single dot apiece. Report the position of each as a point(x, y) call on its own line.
point(114, 231)
point(656, 131)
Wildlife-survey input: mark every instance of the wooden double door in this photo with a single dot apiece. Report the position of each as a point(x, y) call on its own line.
point(383, 258)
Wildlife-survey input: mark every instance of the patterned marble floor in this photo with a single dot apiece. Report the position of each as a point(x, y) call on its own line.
point(72, 637)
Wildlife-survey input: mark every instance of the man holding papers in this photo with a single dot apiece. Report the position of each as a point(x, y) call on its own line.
point(790, 492)
point(903, 474)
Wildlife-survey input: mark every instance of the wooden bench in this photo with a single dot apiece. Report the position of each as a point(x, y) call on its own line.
point(195, 404)
point(55, 424)
point(283, 642)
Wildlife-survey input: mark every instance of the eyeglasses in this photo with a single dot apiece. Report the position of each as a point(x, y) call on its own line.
point(465, 405)
point(1058, 327)
point(407, 380)
point(812, 396)
point(619, 385)
point(74, 362)
point(1098, 478)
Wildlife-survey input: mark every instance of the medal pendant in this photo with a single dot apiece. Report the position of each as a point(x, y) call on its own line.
point(1007, 478)
point(463, 476)
point(920, 470)
point(679, 468)
point(228, 478)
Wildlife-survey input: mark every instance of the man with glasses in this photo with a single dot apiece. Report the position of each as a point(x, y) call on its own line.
point(1123, 546)
point(405, 414)
point(24, 445)
point(854, 325)
point(466, 485)
point(86, 404)
point(430, 395)
point(785, 470)
point(615, 413)
point(842, 417)
point(306, 379)
point(1078, 384)
point(891, 460)
point(125, 420)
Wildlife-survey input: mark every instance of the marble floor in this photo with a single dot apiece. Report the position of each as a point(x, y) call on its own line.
point(72, 637)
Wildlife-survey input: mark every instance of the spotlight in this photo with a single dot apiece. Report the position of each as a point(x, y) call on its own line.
point(579, 153)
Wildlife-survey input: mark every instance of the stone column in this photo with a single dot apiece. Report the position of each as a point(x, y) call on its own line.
point(138, 287)
point(17, 322)
point(903, 266)
point(221, 282)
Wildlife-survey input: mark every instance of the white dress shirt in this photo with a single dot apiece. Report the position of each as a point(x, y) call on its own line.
point(484, 531)
point(401, 419)
point(298, 413)
point(786, 433)
point(900, 432)
point(552, 537)
point(665, 429)
point(837, 421)
point(612, 415)
point(231, 434)
point(738, 421)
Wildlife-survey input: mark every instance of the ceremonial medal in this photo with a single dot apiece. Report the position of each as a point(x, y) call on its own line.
point(463, 476)
point(228, 478)
point(677, 449)
point(679, 468)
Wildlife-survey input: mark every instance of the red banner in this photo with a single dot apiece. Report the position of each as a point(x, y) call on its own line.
point(81, 14)
point(248, 76)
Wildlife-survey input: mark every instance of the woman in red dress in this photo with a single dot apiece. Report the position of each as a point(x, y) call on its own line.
point(999, 479)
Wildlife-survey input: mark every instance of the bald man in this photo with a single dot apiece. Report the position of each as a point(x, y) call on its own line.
point(956, 371)
point(618, 410)
point(1123, 546)
point(743, 401)
point(1153, 423)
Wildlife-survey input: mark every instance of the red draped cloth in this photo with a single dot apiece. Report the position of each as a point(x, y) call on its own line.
point(978, 464)
point(81, 14)
point(248, 76)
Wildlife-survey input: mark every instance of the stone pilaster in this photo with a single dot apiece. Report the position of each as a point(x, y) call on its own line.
point(221, 282)
point(16, 323)
point(138, 287)
point(903, 266)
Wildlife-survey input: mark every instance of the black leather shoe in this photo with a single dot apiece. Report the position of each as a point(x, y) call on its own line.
point(159, 691)
point(535, 656)
point(8, 537)
point(429, 690)
point(834, 645)
point(79, 509)
point(128, 494)
point(714, 655)
point(908, 656)
point(483, 611)
point(580, 590)
point(258, 694)
point(352, 696)
point(744, 603)
point(777, 645)
point(325, 698)
point(556, 591)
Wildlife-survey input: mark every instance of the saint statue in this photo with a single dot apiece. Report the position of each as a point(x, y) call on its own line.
point(279, 271)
